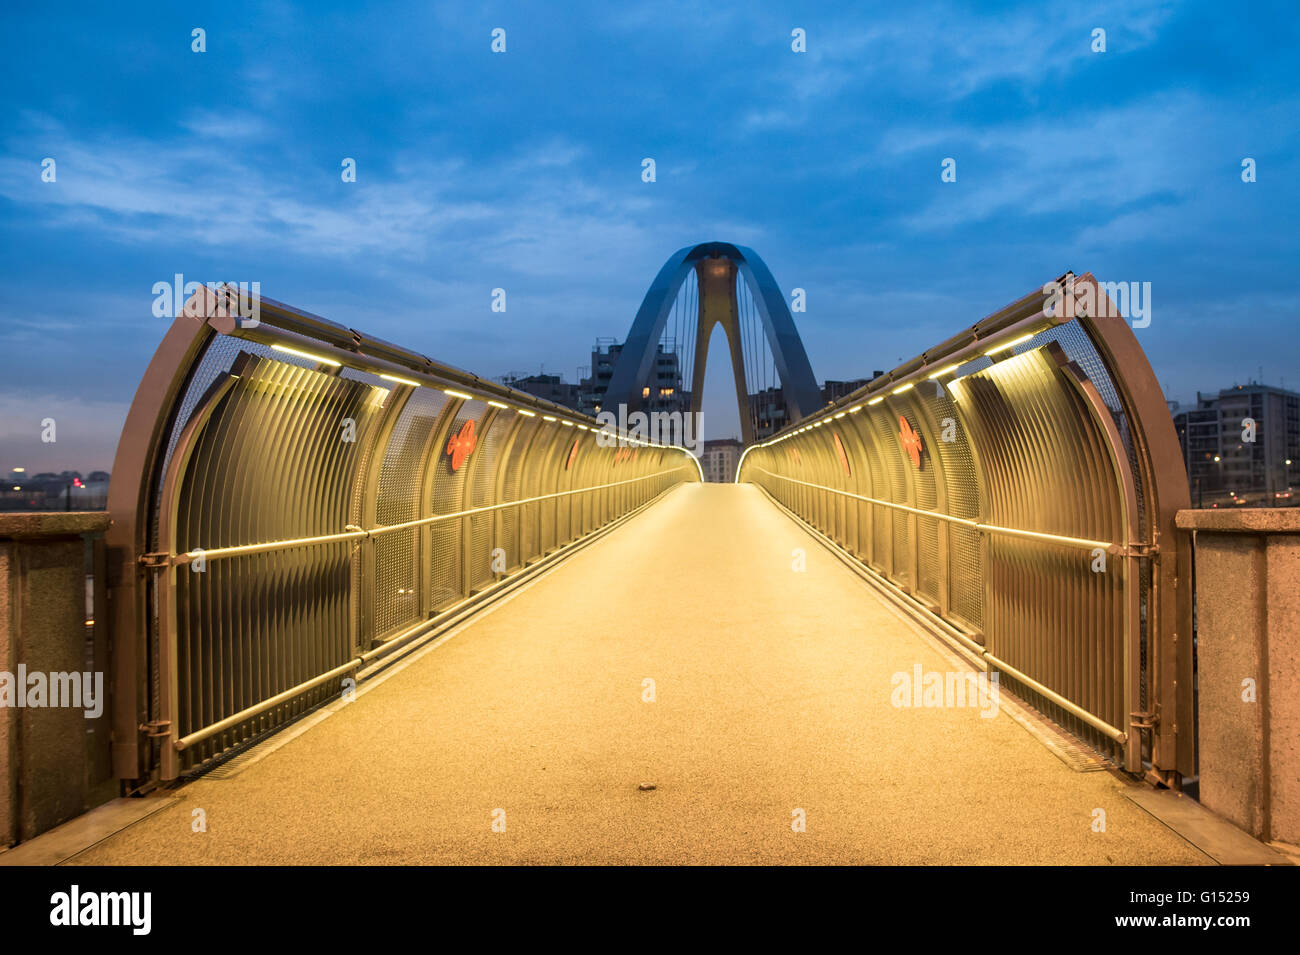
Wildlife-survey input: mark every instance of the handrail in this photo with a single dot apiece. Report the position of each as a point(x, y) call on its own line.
point(244, 550)
point(1109, 546)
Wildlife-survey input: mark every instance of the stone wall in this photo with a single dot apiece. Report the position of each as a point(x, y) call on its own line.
point(1248, 666)
point(50, 756)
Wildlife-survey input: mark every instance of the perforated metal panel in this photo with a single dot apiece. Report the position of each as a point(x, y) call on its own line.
point(446, 540)
point(962, 499)
point(482, 527)
point(397, 599)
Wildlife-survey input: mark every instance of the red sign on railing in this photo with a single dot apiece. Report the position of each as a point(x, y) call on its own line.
point(462, 444)
point(911, 441)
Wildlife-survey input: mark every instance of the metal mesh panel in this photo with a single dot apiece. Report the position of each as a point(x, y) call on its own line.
point(446, 538)
point(548, 485)
point(396, 598)
point(884, 418)
point(482, 527)
point(512, 490)
point(961, 489)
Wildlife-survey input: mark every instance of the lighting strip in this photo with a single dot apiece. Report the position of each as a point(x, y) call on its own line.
point(243, 550)
point(463, 396)
point(308, 355)
point(1011, 344)
point(946, 370)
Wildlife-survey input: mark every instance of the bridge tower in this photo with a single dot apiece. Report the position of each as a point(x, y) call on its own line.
point(718, 266)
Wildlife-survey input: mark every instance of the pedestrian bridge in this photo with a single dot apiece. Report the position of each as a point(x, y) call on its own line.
point(294, 502)
point(956, 585)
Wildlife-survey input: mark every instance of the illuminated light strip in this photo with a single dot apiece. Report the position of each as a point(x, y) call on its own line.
point(876, 400)
point(527, 413)
point(548, 417)
point(583, 427)
point(401, 381)
point(567, 424)
point(855, 409)
point(902, 388)
point(943, 371)
point(308, 355)
point(840, 415)
point(1079, 542)
point(458, 394)
point(1011, 344)
point(499, 404)
point(241, 550)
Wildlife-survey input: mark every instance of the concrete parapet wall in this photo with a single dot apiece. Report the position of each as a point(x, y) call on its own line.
point(1248, 638)
point(47, 773)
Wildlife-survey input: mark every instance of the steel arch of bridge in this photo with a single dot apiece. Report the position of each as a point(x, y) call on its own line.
point(717, 265)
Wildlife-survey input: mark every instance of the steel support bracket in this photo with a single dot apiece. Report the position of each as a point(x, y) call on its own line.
point(156, 728)
point(157, 559)
point(1145, 721)
point(1142, 549)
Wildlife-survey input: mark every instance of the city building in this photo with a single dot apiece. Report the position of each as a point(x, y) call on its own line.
point(1231, 463)
point(833, 391)
point(550, 387)
point(721, 456)
point(666, 392)
point(47, 491)
point(768, 411)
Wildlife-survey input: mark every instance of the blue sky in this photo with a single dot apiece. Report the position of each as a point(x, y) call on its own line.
point(522, 170)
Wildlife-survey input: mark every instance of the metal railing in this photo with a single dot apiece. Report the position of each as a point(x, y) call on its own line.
point(291, 500)
point(1020, 482)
